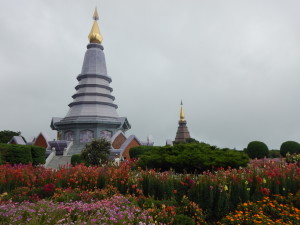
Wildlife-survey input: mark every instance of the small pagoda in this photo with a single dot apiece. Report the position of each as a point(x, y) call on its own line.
point(182, 132)
point(92, 112)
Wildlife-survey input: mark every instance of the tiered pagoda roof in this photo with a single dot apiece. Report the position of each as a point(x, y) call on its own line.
point(93, 101)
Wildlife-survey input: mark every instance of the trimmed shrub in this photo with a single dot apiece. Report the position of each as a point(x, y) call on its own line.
point(135, 152)
point(191, 157)
point(289, 147)
point(38, 155)
point(257, 149)
point(76, 159)
point(16, 154)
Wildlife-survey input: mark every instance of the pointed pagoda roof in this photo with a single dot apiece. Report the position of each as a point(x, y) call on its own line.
point(182, 132)
point(93, 101)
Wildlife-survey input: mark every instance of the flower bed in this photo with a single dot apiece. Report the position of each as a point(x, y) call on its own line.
point(116, 210)
point(215, 192)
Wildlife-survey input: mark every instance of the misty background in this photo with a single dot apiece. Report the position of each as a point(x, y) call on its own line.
point(235, 65)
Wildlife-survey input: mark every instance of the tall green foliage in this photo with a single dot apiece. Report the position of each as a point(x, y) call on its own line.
point(257, 149)
point(38, 155)
point(274, 153)
point(192, 157)
point(96, 152)
point(6, 135)
point(76, 159)
point(135, 152)
point(289, 147)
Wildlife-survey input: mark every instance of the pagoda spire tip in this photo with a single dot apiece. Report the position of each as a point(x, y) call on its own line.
point(96, 16)
point(95, 35)
point(181, 112)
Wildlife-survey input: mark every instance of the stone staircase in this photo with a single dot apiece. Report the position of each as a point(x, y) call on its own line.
point(76, 148)
point(59, 161)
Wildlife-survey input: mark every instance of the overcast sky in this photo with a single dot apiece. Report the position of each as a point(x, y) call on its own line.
point(235, 65)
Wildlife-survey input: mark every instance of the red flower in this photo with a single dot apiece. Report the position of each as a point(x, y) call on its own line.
point(49, 187)
point(265, 191)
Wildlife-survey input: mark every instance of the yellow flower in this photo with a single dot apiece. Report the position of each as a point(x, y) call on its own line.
point(226, 188)
point(264, 180)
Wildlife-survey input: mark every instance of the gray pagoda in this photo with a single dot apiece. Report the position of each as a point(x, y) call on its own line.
point(182, 132)
point(92, 113)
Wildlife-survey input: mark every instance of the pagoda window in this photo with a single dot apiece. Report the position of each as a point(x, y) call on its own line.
point(106, 134)
point(69, 135)
point(86, 136)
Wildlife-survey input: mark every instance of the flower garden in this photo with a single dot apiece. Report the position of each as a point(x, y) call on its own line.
point(266, 192)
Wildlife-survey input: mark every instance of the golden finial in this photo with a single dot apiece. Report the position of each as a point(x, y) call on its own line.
point(181, 112)
point(95, 35)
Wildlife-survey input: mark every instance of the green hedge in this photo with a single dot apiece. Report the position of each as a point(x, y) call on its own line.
point(24, 154)
point(191, 158)
point(38, 155)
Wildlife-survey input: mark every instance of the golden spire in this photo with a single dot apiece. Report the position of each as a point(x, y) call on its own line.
point(181, 112)
point(95, 35)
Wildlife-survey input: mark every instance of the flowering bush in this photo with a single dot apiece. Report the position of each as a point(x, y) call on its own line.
point(277, 210)
point(292, 158)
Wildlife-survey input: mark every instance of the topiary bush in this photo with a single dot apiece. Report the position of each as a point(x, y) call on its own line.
point(257, 149)
point(289, 147)
point(38, 155)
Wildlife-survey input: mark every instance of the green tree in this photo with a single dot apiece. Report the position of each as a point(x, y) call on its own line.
point(96, 152)
point(289, 147)
point(257, 149)
point(6, 135)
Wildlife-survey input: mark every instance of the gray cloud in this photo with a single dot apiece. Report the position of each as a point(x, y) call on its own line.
point(234, 64)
